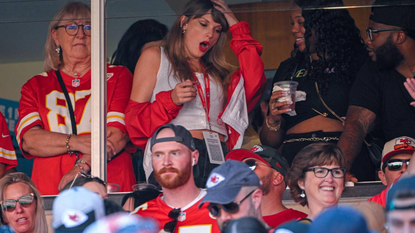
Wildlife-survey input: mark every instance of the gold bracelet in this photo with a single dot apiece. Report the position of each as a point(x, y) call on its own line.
point(273, 128)
point(68, 148)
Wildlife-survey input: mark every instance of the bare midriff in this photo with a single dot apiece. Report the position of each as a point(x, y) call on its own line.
point(315, 124)
point(198, 133)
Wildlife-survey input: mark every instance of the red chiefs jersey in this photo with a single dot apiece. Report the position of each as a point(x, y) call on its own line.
point(43, 104)
point(282, 217)
point(190, 220)
point(7, 153)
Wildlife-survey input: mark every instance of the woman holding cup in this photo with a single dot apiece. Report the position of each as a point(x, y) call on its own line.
point(324, 63)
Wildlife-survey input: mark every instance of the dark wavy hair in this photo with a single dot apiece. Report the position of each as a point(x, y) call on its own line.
point(339, 44)
point(133, 40)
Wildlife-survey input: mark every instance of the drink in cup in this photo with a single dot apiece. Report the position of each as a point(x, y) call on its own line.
point(290, 87)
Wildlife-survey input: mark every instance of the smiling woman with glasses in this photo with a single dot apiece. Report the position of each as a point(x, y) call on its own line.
point(317, 176)
point(21, 204)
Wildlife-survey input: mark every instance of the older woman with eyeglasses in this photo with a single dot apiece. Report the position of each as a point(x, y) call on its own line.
point(55, 108)
point(21, 204)
point(316, 177)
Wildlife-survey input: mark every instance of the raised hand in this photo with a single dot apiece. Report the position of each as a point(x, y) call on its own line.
point(274, 106)
point(183, 92)
point(221, 6)
point(410, 86)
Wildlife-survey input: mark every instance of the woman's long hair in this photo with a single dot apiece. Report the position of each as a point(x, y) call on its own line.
point(339, 44)
point(214, 60)
point(41, 225)
point(71, 10)
point(133, 40)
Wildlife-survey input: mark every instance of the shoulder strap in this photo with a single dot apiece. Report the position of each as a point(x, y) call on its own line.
point(68, 102)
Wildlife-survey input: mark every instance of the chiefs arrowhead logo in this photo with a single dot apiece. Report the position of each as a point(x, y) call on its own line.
point(214, 180)
point(73, 218)
point(404, 143)
point(257, 148)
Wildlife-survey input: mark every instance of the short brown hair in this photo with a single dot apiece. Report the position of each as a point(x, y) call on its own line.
point(316, 154)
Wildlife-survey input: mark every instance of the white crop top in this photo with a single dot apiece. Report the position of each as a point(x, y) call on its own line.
point(192, 116)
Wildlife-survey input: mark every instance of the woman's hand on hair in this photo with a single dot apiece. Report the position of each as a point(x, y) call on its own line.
point(410, 86)
point(221, 6)
point(274, 106)
point(183, 92)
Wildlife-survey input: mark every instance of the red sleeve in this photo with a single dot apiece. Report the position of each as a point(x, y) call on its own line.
point(381, 197)
point(119, 98)
point(28, 114)
point(7, 153)
point(143, 119)
point(251, 68)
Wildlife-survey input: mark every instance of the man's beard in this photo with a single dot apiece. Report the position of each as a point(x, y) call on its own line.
point(173, 181)
point(266, 183)
point(388, 55)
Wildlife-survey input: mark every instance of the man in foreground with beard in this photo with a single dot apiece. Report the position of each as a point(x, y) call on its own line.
point(271, 169)
point(173, 156)
point(378, 94)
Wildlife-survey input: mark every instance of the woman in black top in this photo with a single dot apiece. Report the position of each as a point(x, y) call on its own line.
point(327, 55)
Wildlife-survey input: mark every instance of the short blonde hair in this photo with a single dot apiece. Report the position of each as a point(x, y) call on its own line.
point(41, 225)
point(77, 10)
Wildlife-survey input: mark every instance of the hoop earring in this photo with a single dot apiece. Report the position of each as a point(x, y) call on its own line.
point(302, 195)
point(58, 50)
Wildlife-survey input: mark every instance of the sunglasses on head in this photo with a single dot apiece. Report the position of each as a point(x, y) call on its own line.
point(252, 164)
point(171, 226)
point(395, 164)
point(231, 208)
point(24, 201)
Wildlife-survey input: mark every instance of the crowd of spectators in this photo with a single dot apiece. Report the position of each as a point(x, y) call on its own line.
point(172, 94)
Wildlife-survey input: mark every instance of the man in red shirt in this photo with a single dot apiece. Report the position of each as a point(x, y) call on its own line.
point(271, 169)
point(173, 156)
point(395, 160)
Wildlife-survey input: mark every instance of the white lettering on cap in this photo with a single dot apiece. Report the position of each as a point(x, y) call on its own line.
point(73, 218)
point(214, 180)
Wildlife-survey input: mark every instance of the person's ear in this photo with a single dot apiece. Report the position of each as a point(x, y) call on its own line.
point(382, 177)
point(277, 178)
point(257, 198)
point(54, 35)
point(301, 184)
point(401, 37)
point(195, 157)
point(183, 22)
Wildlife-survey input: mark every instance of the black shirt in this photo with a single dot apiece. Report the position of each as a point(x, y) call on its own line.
point(383, 93)
point(336, 97)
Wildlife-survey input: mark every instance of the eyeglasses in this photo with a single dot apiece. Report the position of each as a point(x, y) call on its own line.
point(395, 164)
point(370, 31)
point(72, 29)
point(231, 208)
point(10, 204)
point(171, 226)
point(321, 172)
point(252, 164)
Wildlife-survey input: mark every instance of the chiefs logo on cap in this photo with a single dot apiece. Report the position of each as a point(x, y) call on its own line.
point(256, 149)
point(72, 218)
point(404, 143)
point(214, 180)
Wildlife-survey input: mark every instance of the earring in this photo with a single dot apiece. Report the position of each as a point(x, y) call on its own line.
point(184, 30)
point(58, 50)
point(302, 195)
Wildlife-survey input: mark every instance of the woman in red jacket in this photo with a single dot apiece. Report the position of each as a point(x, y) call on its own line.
point(188, 82)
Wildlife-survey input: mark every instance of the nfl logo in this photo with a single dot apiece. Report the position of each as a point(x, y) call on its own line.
point(76, 83)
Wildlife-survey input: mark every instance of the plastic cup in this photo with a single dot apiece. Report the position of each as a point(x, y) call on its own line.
point(112, 187)
point(290, 87)
point(144, 185)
